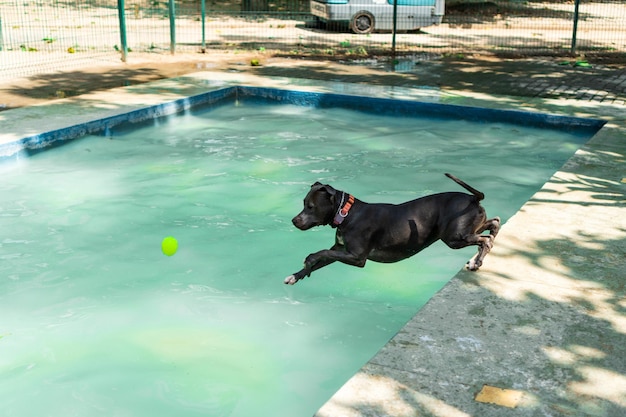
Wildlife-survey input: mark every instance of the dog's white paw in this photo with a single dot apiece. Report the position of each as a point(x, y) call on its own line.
point(471, 265)
point(290, 280)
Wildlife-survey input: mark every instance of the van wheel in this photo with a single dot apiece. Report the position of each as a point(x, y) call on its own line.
point(362, 22)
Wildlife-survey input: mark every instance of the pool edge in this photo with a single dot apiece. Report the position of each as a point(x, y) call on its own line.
point(26, 140)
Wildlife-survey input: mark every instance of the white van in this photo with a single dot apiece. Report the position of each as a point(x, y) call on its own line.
point(365, 16)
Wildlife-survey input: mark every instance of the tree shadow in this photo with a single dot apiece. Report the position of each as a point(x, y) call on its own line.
point(602, 192)
point(522, 78)
point(74, 83)
point(490, 11)
point(561, 350)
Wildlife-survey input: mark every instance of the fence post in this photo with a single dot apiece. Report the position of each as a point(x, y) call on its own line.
point(203, 13)
point(1, 37)
point(122, 16)
point(573, 49)
point(172, 12)
point(393, 36)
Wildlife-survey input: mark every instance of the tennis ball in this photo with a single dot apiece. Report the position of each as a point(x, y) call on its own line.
point(169, 246)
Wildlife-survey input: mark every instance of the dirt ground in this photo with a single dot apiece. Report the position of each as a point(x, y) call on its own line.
point(544, 77)
point(46, 87)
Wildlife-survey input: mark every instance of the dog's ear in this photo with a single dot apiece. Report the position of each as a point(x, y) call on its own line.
point(330, 190)
point(318, 186)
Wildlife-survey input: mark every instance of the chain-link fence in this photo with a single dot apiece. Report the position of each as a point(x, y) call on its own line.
point(44, 35)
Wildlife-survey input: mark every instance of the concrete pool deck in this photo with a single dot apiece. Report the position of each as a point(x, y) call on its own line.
point(539, 330)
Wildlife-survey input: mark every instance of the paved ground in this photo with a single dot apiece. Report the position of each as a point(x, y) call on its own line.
point(540, 330)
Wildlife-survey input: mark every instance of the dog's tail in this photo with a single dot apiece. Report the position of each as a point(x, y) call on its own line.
point(478, 194)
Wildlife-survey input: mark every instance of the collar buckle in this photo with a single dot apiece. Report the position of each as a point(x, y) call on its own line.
point(342, 213)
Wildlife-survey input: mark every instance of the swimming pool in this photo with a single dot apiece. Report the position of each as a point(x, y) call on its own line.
point(96, 321)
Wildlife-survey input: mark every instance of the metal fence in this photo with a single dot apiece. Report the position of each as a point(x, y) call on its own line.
point(38, 36)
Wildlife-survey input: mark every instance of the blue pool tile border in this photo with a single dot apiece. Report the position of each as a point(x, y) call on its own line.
point(395, 107)
point(375, 105)
point(40, 141)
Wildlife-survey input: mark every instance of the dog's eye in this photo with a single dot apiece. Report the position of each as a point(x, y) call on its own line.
point(310, 206)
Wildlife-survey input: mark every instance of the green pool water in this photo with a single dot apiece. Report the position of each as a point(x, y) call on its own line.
point(96, 321)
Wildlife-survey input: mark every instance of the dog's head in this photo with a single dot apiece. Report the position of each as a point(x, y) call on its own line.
point(320, 205)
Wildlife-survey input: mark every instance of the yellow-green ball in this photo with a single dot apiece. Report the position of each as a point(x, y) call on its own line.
point(169, 246)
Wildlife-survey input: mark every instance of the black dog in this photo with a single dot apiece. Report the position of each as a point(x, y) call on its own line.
point(390, 232)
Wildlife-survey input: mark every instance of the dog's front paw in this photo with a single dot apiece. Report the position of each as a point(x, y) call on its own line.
point(290, 280)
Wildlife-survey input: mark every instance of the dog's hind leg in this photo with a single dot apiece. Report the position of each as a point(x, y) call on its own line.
point(485, 242)
point(493, 225)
